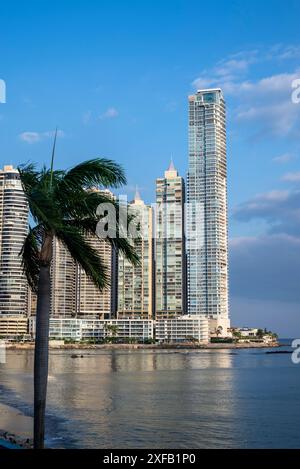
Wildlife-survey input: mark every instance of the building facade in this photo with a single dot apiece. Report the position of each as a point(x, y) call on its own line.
point(135, 283)
point(13, 231)
point(91, 302)
point(12, 327)
point(97, 329)
point(170, 257)
point(73, 293)
point(63, 282)
point(186, 328)
point(207, 255)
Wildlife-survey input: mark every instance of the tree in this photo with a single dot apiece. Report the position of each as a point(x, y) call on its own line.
point(63, 205)
point(260, 333)
point(236, 334)
point(112, 330)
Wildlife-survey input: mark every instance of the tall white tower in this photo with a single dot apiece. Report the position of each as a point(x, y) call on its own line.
point(135, 283)
point(170, 257)
point(207, 250)
point(13, 231)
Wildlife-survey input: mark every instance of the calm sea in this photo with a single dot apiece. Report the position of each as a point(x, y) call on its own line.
point(160, 399)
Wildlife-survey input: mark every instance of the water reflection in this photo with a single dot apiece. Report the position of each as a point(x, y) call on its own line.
point(148, 398)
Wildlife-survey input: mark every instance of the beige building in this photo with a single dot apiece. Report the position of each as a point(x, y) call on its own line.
point(135, 283)
point(73, 292)
point(170, 262)
point(91, 303)
point(13, 231)
point(63, 282)
point(13, 326)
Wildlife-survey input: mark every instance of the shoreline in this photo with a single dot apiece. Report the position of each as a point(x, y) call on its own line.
point(18, 428)
point(183, 346)
point(20, 436)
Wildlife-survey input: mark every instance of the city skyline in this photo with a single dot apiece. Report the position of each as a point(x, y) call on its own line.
point(156, 288)
point(132, 108)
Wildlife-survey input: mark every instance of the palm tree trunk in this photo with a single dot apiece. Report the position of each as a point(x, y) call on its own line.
point(41, 355)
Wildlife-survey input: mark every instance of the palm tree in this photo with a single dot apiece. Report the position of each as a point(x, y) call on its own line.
point(63, 205)
point(111, 331)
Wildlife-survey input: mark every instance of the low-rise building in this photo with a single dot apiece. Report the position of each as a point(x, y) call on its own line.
point(186, 328)
point(247, 331)
point(12, 327)
point(98, 329)
point(219, 327)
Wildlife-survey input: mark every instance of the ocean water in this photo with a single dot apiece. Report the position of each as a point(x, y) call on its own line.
point(159, 399)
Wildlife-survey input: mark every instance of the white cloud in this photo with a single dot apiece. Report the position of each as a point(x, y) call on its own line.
point(292, 177)
point(35, 137)
point(226, 71)
point(278, 208)
point(266, 101)
point(30, 137)
point(285, 158)
point(110, 113)
point(281, 118)
point(289, 52)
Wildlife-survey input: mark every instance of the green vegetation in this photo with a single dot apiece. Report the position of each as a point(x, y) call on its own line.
point(221, 340)
point(63, 205)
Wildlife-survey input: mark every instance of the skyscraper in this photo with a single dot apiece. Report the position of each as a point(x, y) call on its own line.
point(73, 292)
point(13, 231)
point(63, 282)
point(170, 262)
point(91, 302)
point(135, 283)
point(207, 206)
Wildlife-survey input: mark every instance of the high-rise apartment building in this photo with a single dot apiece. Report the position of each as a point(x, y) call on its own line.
point(170, 258)
point(73, 292)
point(207, 206)
point(13, 231)
point(135, 283)
point(91, 302)
point(63, 282)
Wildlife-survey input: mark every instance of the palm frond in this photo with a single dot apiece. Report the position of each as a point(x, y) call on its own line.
point(29, 176)
point(80, 204)
point(95, 172)
point(49, 180)
point(30, 253)
point(83, 253)
point(127, 248)
point(88, 227)
point(43, 208)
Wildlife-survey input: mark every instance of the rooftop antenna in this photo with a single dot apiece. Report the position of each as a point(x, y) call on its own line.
point(52, 158)
point(171, 166)
point(137, 194)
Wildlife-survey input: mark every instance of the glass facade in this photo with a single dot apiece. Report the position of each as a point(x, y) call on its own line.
point(135, 283)
point(170, 265)
point(207, 252)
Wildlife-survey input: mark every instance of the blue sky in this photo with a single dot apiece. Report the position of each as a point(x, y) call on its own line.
point(115, 76)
